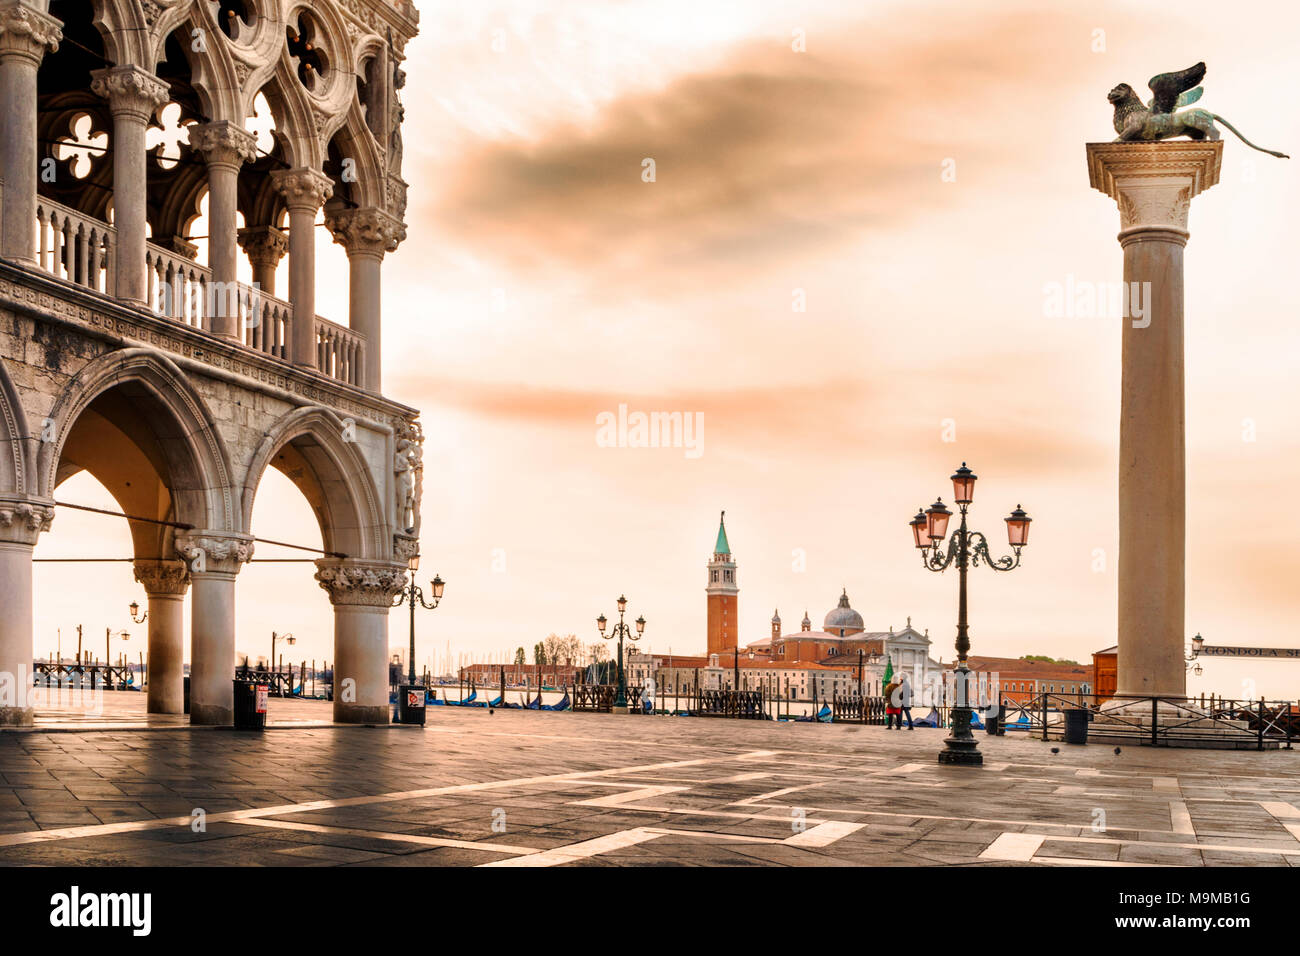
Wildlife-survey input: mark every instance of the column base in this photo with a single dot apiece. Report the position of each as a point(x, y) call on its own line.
point(965, 757)
point(619, 710)
point(211, 715)
point(362, 713)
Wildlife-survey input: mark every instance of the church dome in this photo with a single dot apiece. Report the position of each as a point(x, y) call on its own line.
point(843, 616)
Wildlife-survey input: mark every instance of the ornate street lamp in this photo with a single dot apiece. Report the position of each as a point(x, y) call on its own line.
point(965, 548)
point(134, 608)
point(412, 593)
point(1194, 665)
point(621, 630)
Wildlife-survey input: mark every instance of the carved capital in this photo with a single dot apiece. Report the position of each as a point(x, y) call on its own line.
point(163, 577)
point(365, 583)
point(1154, 183)
point(214, 551)
point(130, 91)
point(27, 33)
point(303, 188)
point(365, 231)
point(222, 143)
point(23, 519)
point(264, 245)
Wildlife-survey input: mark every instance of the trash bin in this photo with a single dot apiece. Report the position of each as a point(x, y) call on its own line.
point(1076, 725)
point(250, 705)
point(410, 704)
point(993, 721)
point(187, 695)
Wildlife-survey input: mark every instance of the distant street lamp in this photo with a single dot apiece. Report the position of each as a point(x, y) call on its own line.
point(965, 548)
point(1194, 665)
point(288, 639)
point(134, 608)
point(412, 593)
point(621, 631)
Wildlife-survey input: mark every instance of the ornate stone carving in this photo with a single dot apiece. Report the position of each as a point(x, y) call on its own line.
point(395, 194)
point(163, 577)
point(208, 551)
point(1154, 183)
point(360, 230)
point(28, 33)
point(22, 520)
point(264, 245)
point(366, 583)
point(303, 188)
point(408, 467)
point(130, 90)
point(222, 142)
point(405, 546)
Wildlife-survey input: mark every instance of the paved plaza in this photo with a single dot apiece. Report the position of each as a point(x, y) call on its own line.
point(515, 788)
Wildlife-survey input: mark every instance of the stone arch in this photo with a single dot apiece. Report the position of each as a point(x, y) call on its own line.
point(146, 397)
point(14, 467)
point(308, 445)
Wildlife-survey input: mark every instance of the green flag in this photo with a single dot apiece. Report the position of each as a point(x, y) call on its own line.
point(889, 671)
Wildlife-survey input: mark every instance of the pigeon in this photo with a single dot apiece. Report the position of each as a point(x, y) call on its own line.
point(1056, 750)
point(1117, 751)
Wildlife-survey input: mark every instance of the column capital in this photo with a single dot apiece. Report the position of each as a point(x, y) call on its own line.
point(23, 519)
point(303, 188)
point(222, 142)
point(1154, 183)
point(264, 245)
point(366, 583)
point(365, 231)
point(223, 552)
point(130, 91)
point(162, 577)
point(28, 33)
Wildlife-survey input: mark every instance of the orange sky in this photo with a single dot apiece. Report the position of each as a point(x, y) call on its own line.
point(544, 282)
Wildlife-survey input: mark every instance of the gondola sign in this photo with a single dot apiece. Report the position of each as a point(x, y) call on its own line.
point(1272, 653)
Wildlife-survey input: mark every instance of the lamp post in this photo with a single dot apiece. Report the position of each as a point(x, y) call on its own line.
point(412, 594)
point(965, 548)
point(134, 608)
point(1193, 664)
point(288, 639)
point(108, 653)
point(621, 630)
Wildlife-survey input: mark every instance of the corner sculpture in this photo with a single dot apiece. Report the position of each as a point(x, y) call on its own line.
point(1157, 119)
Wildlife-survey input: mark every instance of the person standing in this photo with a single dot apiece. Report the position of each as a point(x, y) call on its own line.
point(892, 710)
point(904, 702)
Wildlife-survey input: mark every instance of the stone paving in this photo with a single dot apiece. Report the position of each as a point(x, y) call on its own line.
point(516, 788)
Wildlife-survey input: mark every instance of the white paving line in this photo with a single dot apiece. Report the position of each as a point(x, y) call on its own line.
point(621, 799)
point(1285, 814)
point(1180, 817)
point(581, 851)
point(1013, 847)
point(824, 834)
point(393, 837)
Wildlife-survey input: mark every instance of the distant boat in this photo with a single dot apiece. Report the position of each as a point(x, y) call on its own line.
point(562, 704)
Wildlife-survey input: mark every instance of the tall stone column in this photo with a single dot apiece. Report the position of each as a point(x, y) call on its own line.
point(165, 582)
point(305, 191)
point(133, 95)
point(265, 246)
point(225, 146)
point(1153, 184)
point(362, 593)
point(367, 235)
point(26, 34)
point(21, 522)
point(214, 559)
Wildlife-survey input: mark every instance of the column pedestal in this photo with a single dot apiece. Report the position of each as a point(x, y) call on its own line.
point(1153, 184)
point(214, 560)
point(165, 582)
point(362, 593)
point(21, 522)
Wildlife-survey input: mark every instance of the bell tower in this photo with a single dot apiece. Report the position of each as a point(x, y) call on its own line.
point(722, 590)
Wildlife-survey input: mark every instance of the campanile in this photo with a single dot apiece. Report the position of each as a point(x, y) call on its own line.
point(724, 626)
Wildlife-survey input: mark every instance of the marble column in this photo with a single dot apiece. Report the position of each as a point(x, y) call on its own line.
point(1153, 184)
point(26, 34)
point(214, 559)
point(367, 235)
point(265, 246)
point(133, 95)
point(305, 191)
point(165, 583)
point(362, 593)
point(225, 146)
point(21, 522)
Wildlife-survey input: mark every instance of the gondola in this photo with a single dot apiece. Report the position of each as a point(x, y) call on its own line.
point(562, 704)
point(822, 716)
